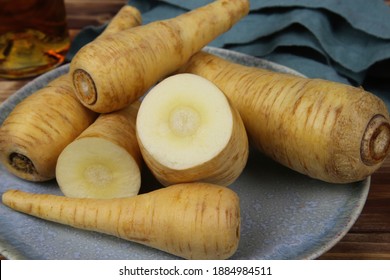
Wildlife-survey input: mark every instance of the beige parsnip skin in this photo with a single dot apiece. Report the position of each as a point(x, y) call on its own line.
point(40, 126)
point(192, 221)
point(326, 130)
point(126, 17)
point(114, 72)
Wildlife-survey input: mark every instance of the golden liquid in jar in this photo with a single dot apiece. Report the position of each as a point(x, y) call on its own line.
point(33, 37)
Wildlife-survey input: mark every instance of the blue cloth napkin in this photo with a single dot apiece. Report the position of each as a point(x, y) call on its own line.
point(345, 41)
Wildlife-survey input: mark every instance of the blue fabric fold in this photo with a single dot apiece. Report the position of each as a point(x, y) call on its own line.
point(356, 12)
point(331, 39)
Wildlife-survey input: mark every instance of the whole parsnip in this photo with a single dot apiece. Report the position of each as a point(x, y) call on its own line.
point(193, 221)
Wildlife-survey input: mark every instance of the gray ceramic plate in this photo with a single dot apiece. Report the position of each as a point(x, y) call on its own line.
point(285, 215)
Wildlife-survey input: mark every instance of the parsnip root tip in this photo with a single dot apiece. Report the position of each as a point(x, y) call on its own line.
point(376, 141)
point(85, 87)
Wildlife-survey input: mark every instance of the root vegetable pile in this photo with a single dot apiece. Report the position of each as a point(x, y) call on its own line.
point(40, 127)
point(90, 130)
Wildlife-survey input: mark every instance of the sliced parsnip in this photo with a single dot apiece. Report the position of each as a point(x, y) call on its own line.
point(187, 131)
point(105, 160)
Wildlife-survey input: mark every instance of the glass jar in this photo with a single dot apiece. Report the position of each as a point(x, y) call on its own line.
point(34, 37)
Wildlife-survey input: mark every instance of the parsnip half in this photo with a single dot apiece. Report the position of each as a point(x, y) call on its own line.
point(187, 131)
point(104, 161)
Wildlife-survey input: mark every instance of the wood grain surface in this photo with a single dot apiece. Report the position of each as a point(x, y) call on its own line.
point(369, 237)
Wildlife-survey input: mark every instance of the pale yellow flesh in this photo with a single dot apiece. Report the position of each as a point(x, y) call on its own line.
point(184, 121)
point(97, 168)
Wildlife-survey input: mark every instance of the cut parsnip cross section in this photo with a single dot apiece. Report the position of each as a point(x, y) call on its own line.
point(104, 161)
point(187, 131)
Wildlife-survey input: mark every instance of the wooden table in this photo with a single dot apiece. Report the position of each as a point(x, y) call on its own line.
point(369, 238)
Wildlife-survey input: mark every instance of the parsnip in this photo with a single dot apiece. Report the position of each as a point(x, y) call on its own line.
point(40, 126)
point(105, 160)
point(111, 73)
point(126, 17)
point(326, 130)
point(187, 132)
point(193, 221)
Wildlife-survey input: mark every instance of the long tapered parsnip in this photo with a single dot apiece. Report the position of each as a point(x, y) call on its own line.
point(193, 221)
point(111, 73)
point(188, 131)
point(326, 130)
point(40, 126)
point(105, 160)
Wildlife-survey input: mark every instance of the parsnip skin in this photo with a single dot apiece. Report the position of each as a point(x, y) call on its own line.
point(111, 73)
point(192, 221)
point(126, 17)
point(40, 126)
point(326, 130)
point(32, 136)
